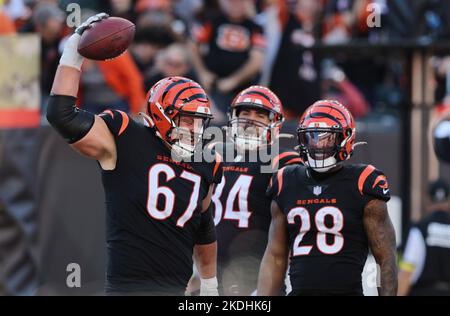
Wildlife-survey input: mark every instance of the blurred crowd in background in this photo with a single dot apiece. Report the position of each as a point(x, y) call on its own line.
point(229, 44)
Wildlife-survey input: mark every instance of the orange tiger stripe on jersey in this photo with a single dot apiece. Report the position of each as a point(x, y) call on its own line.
point(218, 162)
point(111, 113)
point(281, 156)
point(280, 180)
point(125, 121)
point(363, 177)
point(378, 180)
point(295, 160)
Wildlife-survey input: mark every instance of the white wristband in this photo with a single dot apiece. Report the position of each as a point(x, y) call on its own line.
point(208, 287)
point(70, 56)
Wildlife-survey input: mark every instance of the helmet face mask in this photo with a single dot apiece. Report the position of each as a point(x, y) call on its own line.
point(255, 118)
point(247, 133)
point(321, 146)
point(326, 135)
point(187, 135)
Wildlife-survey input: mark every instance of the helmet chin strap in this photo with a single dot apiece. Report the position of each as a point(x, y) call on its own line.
point(147, 120)
point(359, 144)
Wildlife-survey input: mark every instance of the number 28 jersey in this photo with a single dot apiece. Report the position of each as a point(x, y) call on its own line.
point(153, 211)
point(324, 214)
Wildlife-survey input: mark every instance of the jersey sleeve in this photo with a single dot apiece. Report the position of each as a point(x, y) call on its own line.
point(276, 186)
point(117, 121)
point(217, 170)
point(373, 184)
point(211, 170)
point(285, 158)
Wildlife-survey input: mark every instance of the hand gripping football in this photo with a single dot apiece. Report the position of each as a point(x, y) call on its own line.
point(106, 39)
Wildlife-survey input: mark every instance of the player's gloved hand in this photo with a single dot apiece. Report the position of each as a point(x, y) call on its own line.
point(88, 23)
point(208, 287)
point(70, 56)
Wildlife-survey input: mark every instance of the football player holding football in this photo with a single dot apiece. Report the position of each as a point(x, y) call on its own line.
point(240, 204)
point(328, 215)
point(157, 206)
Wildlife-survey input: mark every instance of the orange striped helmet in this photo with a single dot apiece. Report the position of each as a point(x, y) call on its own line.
point(255, 97)
point(168, 101)
point(326, 135)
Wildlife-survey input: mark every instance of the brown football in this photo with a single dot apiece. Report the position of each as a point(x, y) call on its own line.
point(106, 39)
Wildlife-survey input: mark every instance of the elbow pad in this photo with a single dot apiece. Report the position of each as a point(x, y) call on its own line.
point(69, 121)
point(207, 231)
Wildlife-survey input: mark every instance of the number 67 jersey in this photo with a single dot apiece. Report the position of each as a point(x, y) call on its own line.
point(324, 213)
point(153, 213)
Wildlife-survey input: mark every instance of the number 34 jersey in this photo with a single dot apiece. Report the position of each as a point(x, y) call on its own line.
point(153, 211)
point(242, 217)
point(324, 213)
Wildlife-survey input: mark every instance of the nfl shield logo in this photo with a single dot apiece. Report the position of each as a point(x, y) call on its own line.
point(317, 190)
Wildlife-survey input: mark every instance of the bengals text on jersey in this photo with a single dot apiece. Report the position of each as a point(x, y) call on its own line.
point(242, 217)
point(153, 211)
point(324, 213)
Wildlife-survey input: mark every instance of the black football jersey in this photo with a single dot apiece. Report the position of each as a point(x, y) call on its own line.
point(242, 217)
point(153, 211)
point(324, 213)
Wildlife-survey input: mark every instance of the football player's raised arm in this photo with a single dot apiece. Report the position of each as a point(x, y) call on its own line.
point(86, 132)
point(274, 262)
point(381, 236)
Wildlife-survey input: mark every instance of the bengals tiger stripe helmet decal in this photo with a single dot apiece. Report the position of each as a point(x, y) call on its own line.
point(258, 97)
point(171, 97)
point(326, 135)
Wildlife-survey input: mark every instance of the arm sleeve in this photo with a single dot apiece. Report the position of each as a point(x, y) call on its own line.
point(286, 158)
point(217, 170)
point(206, 233)
point(68, 120)
point(276, 186)
point(214, 169)
point(117, 121)
point(373, 184)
